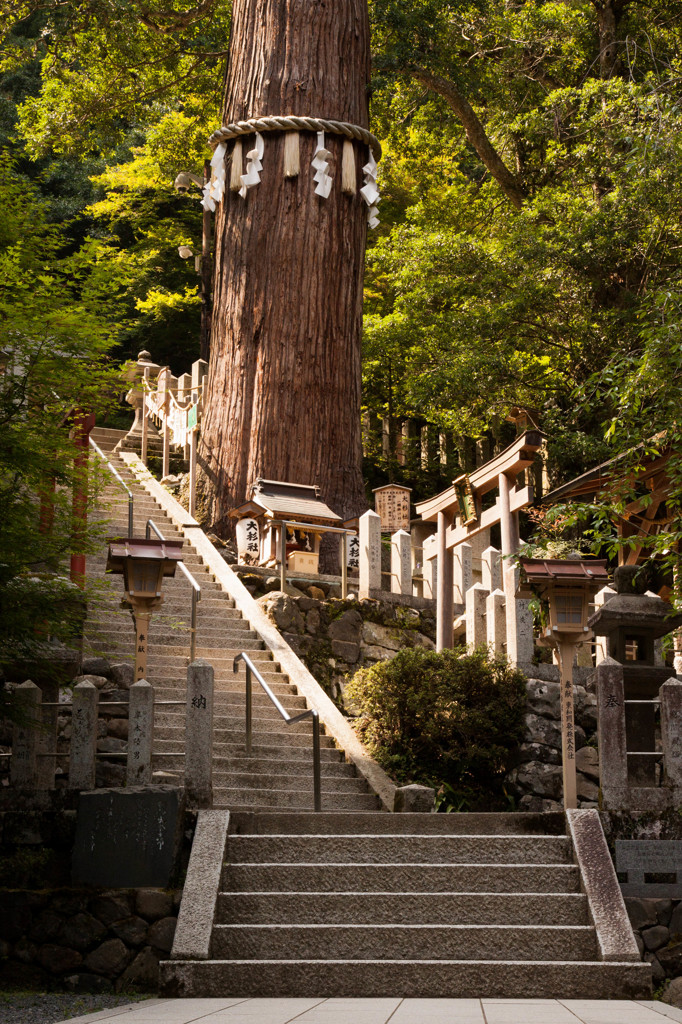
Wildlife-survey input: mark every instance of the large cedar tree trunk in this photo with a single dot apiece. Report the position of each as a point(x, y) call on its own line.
point(283, 397)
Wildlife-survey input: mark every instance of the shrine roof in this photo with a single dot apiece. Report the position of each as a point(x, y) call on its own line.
point(590, 483)
point(281, 500)
point(518, 456)
point(541, 570)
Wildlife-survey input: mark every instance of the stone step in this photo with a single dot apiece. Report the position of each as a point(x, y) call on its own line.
point(230, 741)
point(491, 823)
point(307, 877)
point(173, 686)
point(230, 637)
point(263, 726)
point(232, 704)
point(292, 766)
point(412, 849)
point(279, 779)
point(260, 752)
point(511, 979)
point(402, 908)
point(300, 799)
point(404, 941)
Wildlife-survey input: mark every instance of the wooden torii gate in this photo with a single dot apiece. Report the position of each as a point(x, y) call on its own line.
point(460, 514)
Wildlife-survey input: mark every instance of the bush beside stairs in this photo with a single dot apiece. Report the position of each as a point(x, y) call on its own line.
point(354, 901)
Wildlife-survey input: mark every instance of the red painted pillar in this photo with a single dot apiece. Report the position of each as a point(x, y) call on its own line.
point(83, 424)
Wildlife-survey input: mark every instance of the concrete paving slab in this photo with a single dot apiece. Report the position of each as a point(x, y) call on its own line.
point(612, 1011)
point(439, 1011)
point(385, 1011)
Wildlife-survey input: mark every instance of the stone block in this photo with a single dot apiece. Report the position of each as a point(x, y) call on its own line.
point(81, 932)
point(519, 620)
point(587, 762)
point(100, 682)
point(109, 959)
point(84, 982)
point(118, 728)
point(122, 674)
point(94, 666)
point(491, 569)
point(462, 571)
point(670, 959)
point(587, 789)
point(345, 651)
point(655, 937)
point(153, 904)
point(109, 909)
point(381, 636)
point(58, 959)
point(143, 972)
point(612, 742)
point(675, 925)
point(161, 933)
point(131, 930)
point(673, 993)
point(657, 972)
point(671, 731)
point(25, 737)
point(414, 799)
point(127, 838)
point(83, 736)
point(348, 627)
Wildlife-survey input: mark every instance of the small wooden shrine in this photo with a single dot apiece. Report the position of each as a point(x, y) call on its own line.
point(284, 523)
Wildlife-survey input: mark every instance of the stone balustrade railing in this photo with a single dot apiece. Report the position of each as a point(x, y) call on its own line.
point(28, 741)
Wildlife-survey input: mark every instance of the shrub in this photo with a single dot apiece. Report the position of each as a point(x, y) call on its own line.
point(446, 718)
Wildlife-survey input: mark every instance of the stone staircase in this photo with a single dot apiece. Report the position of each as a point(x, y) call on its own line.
point(412, 905)
point(279, 772)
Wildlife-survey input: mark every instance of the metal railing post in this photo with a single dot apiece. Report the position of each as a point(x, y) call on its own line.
point(196, 590)
point(120, 480)
point(193, 627)
point(310, 713)
point(317, 782)
point(249, 727)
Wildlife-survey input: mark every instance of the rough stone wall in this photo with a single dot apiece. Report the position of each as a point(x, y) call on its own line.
point(335, 638)
point(85, 941)
point(657, 925)
point(536, 778)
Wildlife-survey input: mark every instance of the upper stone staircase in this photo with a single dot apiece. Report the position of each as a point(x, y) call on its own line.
point(279, 772)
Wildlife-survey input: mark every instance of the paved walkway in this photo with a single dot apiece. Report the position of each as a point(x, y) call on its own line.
point(386, 1011)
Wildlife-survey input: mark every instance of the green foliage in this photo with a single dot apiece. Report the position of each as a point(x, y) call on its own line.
point(447, 717)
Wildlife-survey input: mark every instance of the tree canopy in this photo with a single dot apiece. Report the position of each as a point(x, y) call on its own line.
point(529, 250)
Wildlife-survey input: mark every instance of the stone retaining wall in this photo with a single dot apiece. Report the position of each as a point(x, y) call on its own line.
point(84, 941)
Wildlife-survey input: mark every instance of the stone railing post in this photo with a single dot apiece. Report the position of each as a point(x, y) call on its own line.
point(430, 571)
point(491, 569)
point(463, 572)
point(199, 734)
point(140, 733)
point(671, 732)
point(401, 563)
point(476, 631)
point(370, 553)
point(600, 642)
point(519, 620)
point(496, 622)
point(613, 757)
point(83, 736)
point(23, 763)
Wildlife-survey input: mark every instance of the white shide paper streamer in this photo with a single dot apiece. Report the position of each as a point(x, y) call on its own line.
point(321, 165)
point(253, 166)
point(369, 191)
point(215, 188)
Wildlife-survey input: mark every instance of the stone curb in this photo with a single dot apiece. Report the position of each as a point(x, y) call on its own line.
point(607, 907)
point(200, 893)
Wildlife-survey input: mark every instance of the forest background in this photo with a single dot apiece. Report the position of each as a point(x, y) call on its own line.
point(530, 246)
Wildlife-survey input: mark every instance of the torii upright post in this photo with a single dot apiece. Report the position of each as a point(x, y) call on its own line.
point(283, 397)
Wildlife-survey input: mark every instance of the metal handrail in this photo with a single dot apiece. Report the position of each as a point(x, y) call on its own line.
point(310, 713)
point(120, 480)
point(196, 589)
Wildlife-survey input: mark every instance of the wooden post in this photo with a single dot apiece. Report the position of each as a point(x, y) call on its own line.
point(142, 618)
point(445, 584)
point(283, 558)
point(566, 655)
point(344, 565)
point(193, 471)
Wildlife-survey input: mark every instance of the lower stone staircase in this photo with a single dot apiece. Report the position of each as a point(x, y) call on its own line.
point(279, 772)
point(413, 905)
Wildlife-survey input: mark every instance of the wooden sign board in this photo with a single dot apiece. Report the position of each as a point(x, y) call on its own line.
point(392, 504)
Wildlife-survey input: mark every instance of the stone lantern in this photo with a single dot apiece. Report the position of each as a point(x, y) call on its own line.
point(567, 585)
point(143, 563)
point(630, 688)
point(143, 370)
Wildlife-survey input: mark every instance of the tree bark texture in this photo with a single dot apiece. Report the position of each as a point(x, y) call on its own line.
point(283, 398)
